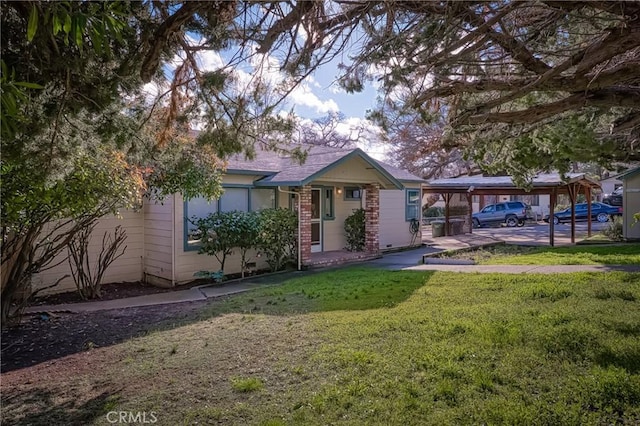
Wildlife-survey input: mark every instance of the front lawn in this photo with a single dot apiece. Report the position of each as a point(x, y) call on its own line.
point(620, 254)
point(365, 346)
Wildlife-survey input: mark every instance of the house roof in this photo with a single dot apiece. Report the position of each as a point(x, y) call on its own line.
point(480, 182)
point(280, 169)
point(629, 173)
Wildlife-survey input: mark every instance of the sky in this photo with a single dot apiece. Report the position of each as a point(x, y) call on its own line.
point(315, 97)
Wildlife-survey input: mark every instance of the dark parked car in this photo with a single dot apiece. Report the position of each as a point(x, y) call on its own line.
point(613, 199)
point(599, 211)
point(511, 213)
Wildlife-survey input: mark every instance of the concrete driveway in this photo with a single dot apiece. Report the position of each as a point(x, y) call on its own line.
point(538, 233)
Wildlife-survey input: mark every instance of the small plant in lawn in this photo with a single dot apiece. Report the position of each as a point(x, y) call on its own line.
point(249, 384)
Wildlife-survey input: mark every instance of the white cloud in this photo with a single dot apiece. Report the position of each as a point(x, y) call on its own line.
point(210, 61)
point(303, 96)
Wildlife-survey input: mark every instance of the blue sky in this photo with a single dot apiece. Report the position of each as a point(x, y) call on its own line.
point(315, 97)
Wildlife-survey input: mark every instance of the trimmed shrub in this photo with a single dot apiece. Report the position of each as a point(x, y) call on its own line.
point(220, 234)
point(354, 227)
point(277, 237)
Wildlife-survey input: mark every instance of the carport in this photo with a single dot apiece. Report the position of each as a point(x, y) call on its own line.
point(552, 184)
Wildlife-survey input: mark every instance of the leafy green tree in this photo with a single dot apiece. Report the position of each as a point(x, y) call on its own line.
point(510, 79)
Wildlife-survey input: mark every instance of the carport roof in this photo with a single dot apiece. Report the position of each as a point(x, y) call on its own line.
point(504, 184)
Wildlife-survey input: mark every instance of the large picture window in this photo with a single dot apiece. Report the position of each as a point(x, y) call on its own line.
point(263, 198)
point(234, 198)
point(196, 208)
point(412, 206)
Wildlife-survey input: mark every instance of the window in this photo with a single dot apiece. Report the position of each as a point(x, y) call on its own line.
point(352, 193)
point(263, 198)
point(412, 206)
point(233, 198)
point(499, 207)
point(196, 208)
point(327, 203)
point(475, 199)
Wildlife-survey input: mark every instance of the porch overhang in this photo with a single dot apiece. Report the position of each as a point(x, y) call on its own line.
point(308, 173)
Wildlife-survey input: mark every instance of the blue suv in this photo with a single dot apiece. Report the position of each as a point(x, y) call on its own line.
point(511, 213)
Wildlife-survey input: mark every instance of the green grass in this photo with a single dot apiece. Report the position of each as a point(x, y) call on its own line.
point(411, 348)
point(249, 384)
point(621, 254)
point(628, 254)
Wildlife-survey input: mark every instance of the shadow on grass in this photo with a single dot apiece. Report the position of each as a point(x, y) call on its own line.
point(351, 288)
point(51, 412)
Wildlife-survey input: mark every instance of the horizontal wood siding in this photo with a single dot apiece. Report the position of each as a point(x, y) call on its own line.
point(334, 234)
point(394, 229)
point(158, 226)
point(127, 268)
point(354, 170)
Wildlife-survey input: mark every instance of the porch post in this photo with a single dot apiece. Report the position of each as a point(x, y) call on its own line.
point(470, 203)
point(587, 194)
point(372, 218)
point(573, 194)
point(304, 216)
point(552, 208)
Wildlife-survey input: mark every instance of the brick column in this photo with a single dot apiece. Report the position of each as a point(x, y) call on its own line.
point(372, 218)
point(304, 216)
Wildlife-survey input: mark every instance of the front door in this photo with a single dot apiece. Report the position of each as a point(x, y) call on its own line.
point(316, 221)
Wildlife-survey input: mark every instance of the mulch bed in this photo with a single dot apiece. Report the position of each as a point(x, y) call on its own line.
point(48, 336)
point(112, 291)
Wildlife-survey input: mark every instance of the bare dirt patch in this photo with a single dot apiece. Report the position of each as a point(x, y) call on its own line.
point(49, 336)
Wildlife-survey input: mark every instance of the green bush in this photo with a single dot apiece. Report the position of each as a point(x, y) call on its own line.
point(248, 231)
point(277, 237)
point(613, 230)
point(354, 227)
point(433, 212)
point(220, 234)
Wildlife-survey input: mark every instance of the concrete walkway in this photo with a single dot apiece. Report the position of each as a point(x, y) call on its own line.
point(525, 269)
point(404, 260)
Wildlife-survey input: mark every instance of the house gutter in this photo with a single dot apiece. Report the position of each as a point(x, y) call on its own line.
point(299, 224)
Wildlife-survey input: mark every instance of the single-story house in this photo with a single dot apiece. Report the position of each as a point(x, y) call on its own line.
point(630, 203)
point(609, 184)
point(324, 190)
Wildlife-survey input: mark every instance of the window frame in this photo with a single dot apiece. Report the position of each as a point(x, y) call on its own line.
point(408, 205)
point(324, 191)
point(352, 188)
point(218, 204)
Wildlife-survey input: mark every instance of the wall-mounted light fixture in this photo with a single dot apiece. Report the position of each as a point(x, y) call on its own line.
point(339, 190)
